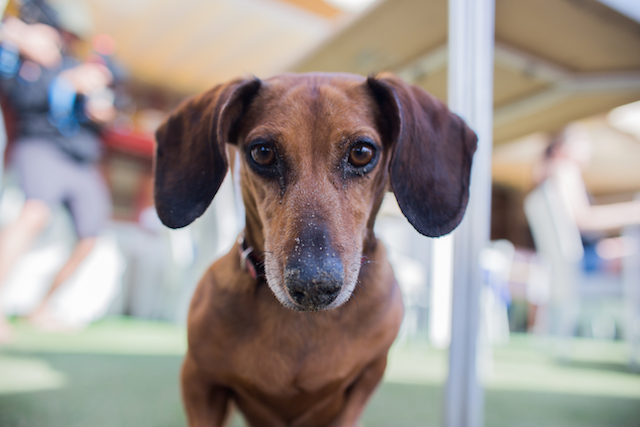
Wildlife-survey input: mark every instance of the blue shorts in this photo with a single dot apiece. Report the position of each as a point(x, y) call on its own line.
point(48, 174)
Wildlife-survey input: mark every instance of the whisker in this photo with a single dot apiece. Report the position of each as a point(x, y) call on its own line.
point(355, 298)
point(359, 286)
point(264, 252)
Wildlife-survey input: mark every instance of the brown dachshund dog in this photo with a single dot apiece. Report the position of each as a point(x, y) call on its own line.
point(294, 324)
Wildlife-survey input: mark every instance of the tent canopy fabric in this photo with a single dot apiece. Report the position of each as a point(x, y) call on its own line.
point(192, 45)
point(555, 60)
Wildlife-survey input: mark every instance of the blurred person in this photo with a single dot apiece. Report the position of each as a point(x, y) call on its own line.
point(39, 43)
point(569, 152)
point(59, 113)
point(582, 226)
point(35, 43)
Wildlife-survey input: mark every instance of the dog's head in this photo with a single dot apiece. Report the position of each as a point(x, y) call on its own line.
point(318, 153)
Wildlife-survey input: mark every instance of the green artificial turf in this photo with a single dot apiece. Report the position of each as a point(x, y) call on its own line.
point(122, 372)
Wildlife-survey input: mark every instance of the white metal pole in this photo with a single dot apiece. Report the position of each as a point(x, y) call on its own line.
point(470, 95)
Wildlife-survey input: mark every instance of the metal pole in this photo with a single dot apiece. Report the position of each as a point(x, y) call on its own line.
point(470, 93)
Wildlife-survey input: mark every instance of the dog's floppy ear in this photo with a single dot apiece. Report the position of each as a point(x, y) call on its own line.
point(191, 160)
point(431, 155)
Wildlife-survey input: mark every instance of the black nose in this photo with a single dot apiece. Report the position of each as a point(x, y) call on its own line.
point(314, 274)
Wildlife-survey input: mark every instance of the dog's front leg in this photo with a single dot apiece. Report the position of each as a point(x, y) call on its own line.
point(206, 404)
point(360, 392)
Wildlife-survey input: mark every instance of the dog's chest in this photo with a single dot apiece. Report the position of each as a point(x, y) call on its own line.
point(295, 361)
point(292, 381)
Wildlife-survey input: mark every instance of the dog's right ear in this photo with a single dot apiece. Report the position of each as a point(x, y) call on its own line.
point(432, 149)
point(191, 160)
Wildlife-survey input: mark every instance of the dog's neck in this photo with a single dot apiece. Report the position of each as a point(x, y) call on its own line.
point(253, 231)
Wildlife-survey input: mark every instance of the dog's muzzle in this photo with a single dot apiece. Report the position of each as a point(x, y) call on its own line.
point(314, 275)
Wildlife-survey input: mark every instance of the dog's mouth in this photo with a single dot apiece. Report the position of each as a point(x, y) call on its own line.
point(311, 278)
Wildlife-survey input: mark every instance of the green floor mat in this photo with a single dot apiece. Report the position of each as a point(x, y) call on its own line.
point(124, 373)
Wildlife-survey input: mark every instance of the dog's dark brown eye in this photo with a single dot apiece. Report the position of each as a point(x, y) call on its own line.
point(361, 155)
point(263, 155)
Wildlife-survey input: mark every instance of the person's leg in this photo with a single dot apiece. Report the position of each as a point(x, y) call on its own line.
point(89, 202)
point(3, 146)
point(15, 240)
point(84, 246)
point(37, 165)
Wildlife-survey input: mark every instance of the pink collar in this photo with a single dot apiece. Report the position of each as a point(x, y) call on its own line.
point(250, 261)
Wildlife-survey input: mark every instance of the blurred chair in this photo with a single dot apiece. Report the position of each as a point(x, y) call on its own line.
point(408, 253)
point(163, 266)
point(631, 280)
point(496, 261)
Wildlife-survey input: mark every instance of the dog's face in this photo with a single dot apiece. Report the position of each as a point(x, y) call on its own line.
point(314, 167)
point(318, 152)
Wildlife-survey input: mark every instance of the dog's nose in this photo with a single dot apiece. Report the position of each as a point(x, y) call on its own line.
point(314, 274)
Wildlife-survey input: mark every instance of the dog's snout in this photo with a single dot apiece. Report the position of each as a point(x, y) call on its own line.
point(314, 274)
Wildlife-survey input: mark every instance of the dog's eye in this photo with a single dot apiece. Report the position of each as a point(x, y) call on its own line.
point(361, 154)
point(263, 154)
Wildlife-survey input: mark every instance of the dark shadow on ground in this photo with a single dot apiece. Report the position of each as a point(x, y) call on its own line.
point(100, 391)
point(600, 366)
point(415, 405)
point(509, 408)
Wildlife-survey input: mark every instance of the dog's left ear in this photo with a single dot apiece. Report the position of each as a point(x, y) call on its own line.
point(431, 155)
point(191, 159)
